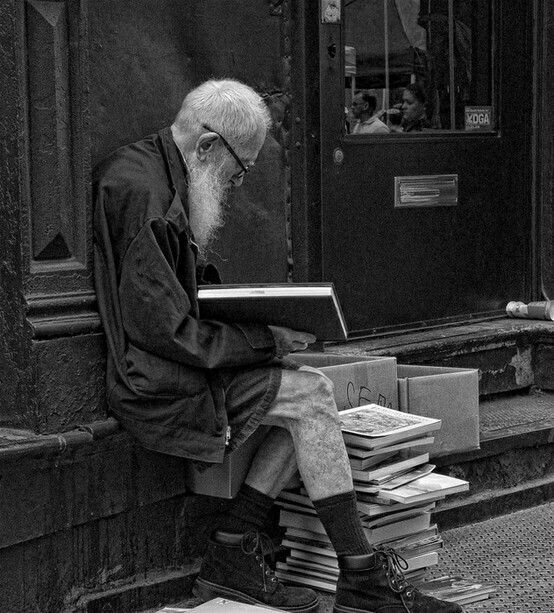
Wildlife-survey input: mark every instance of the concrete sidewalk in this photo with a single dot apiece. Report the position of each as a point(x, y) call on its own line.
point(514, 552)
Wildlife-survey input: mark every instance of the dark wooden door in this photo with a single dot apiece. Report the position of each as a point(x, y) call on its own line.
point(466, 254)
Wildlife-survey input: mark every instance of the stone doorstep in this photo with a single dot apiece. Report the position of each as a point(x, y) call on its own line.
point(453, 338)
point(509, 353)
point(510, 421)
point(517, 436)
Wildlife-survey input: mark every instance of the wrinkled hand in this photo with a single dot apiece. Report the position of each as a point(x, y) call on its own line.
point(288, 341)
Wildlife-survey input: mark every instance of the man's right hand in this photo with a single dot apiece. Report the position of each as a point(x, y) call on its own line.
point(288, 341)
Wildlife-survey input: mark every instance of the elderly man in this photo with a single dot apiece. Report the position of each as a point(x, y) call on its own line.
point(198, 389)
point(363, 109)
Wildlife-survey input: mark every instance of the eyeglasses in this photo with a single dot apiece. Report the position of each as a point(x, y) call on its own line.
point(244, 168)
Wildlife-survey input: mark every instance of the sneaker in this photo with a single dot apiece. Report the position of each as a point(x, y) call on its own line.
point(375, 583)
point(235, 567)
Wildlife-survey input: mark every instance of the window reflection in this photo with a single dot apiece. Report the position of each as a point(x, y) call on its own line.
point(427, 65)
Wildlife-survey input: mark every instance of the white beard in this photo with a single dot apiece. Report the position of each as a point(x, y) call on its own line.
point(207, 197)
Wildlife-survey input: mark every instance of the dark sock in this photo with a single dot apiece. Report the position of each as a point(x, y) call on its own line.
point(341, 519)
point(248, 511)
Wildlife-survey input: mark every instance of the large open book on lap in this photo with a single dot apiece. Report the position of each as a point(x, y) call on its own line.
point(309, 307)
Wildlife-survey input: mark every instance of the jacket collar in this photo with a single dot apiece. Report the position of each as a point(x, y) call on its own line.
point(176, 166)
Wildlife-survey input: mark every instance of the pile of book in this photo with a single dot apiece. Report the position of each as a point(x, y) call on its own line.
point(396, 489)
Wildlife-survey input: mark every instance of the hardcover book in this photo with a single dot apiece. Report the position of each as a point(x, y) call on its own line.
point(389, 470)
point(372, 426)
point(359, 457)
point(412, 475)
point(429, 487)
point(374, 460)
point(307, 307)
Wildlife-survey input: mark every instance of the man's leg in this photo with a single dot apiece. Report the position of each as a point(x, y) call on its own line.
point(305, 408)
point(274, 465)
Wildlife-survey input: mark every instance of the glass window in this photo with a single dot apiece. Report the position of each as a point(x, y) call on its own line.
point(418, 65)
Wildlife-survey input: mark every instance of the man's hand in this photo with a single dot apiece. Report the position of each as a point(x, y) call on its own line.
point(288, 341)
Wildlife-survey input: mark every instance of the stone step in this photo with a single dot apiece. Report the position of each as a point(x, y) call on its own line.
point(513, 469)
point(511, 354)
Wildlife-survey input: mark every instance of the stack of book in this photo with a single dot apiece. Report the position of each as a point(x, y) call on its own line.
point(397, 491)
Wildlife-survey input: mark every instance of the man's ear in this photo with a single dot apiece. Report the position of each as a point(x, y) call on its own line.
point(204, 145)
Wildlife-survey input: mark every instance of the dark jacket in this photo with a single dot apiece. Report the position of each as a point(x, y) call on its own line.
point(417, 125)
point(162, 366)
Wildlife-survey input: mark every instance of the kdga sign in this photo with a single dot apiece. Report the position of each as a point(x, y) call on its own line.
point(478, 118)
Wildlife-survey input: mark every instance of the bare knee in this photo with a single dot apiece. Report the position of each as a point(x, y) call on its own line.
point(320, 398)
point(305, 395)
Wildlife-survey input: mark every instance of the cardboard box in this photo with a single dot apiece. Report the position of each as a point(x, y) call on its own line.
point(224, 480)
point(357, 379)
point(449, 394)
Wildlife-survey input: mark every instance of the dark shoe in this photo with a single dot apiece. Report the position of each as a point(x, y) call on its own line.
point(375, 583)
point(234, 567)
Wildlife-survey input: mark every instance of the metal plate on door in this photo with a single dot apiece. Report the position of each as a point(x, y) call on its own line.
point(425, 191)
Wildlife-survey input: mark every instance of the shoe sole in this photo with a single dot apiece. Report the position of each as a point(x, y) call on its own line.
point(204, 590)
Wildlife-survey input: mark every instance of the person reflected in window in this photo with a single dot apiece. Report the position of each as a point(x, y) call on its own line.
point(363, 111)
point(414, 114)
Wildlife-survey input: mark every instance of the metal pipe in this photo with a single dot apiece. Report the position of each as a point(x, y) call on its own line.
point(52, 445)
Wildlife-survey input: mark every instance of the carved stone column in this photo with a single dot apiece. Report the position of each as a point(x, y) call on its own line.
point(51, 344)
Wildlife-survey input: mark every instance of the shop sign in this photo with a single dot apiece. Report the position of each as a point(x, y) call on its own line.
point(478, 118)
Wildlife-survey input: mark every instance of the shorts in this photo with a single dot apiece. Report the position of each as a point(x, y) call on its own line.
point(249, 393)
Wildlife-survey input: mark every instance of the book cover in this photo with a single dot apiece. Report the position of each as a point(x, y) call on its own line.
point(376, 534)
point(309, 566)
point(223, 605)
point(309, 545)
point(429, 487)
point(372, 509)
point(403, 513)
point(415, 538)
point(309, 536)
point(301, 579)
point(363, 464)
point(360, 455)
point(298, 557)
point(408, 477)
point(371, 426)
point(389, 470)
point(308, 307)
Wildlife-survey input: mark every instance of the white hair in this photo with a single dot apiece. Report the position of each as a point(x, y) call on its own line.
point(227, 106)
